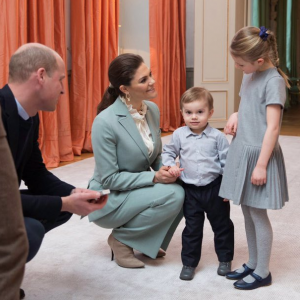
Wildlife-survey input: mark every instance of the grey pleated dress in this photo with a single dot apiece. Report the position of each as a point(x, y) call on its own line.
point(258, 90)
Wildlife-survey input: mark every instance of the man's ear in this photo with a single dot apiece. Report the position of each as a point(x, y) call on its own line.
point(41, 72)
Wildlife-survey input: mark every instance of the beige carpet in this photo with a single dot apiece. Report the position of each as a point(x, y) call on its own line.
point(74, 260)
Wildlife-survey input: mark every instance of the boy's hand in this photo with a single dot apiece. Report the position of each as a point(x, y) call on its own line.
point(225, 200)
point(175, 171)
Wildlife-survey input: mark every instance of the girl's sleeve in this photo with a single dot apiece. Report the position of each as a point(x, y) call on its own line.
point(276, 91)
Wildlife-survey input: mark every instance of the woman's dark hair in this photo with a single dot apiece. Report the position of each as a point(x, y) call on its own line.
point(120, 72)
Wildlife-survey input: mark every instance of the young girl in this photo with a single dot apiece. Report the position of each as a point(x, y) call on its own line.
point(254, 174)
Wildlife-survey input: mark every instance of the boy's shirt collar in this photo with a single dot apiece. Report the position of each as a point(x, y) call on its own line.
point(206, 131)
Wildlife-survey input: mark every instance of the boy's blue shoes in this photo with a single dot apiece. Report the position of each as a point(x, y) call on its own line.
point(187, 273)
point(258, 282)
point(236, 275)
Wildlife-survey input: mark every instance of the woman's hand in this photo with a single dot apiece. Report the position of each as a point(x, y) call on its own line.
point(259, 176)
point(163, 176)
point(231, 125)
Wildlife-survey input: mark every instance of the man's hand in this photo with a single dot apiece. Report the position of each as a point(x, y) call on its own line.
point(79, 202)
point(163, 176)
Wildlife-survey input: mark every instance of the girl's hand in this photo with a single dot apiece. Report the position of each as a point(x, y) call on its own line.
point(225, 200)
point(231, 125)
point(259, 176)
point(175, 171)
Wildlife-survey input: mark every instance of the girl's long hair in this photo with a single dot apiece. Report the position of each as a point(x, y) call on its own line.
point(248, 45)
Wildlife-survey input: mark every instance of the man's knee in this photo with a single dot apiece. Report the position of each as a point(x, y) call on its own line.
point(35, 234)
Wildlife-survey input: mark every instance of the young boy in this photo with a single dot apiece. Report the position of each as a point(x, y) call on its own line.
point(202, 153)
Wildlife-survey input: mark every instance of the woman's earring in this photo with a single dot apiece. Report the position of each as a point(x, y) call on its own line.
point(127, 96)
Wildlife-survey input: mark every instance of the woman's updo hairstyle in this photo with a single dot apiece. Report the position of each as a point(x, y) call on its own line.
point(120, 72)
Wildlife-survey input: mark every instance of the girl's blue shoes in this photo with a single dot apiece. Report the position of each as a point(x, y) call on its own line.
point(236, 275)
point(258, 282)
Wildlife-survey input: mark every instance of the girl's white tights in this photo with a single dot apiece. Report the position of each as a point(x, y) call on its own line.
point(259, 237)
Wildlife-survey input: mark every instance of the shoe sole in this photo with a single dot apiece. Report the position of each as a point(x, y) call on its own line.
point(186, 279)
point(137, 267)
point(221, 274)
point(252, 289)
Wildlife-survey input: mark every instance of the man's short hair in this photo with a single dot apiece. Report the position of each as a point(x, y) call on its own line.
point(28, 59)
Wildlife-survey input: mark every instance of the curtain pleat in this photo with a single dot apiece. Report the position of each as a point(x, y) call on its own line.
point(46, 25)
point(261, 13)
point(167, 57)
point(41, 21)
point(63, 106)
point(294, 33)
point(94, 44)
point(94, 40)
point(9, 35)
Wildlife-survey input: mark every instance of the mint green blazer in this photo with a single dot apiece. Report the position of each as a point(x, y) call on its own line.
point(122, 162)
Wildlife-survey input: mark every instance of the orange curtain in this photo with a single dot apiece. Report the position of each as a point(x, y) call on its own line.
point(94, 33)
point(41, 21)
point(167, 57)
point(94, 43)
point(12, 32)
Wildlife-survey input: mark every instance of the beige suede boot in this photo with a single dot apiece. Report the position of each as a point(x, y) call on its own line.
point(124, 255)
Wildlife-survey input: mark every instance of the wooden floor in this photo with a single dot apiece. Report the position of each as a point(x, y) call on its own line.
point(290, 126)
point(291, 121)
